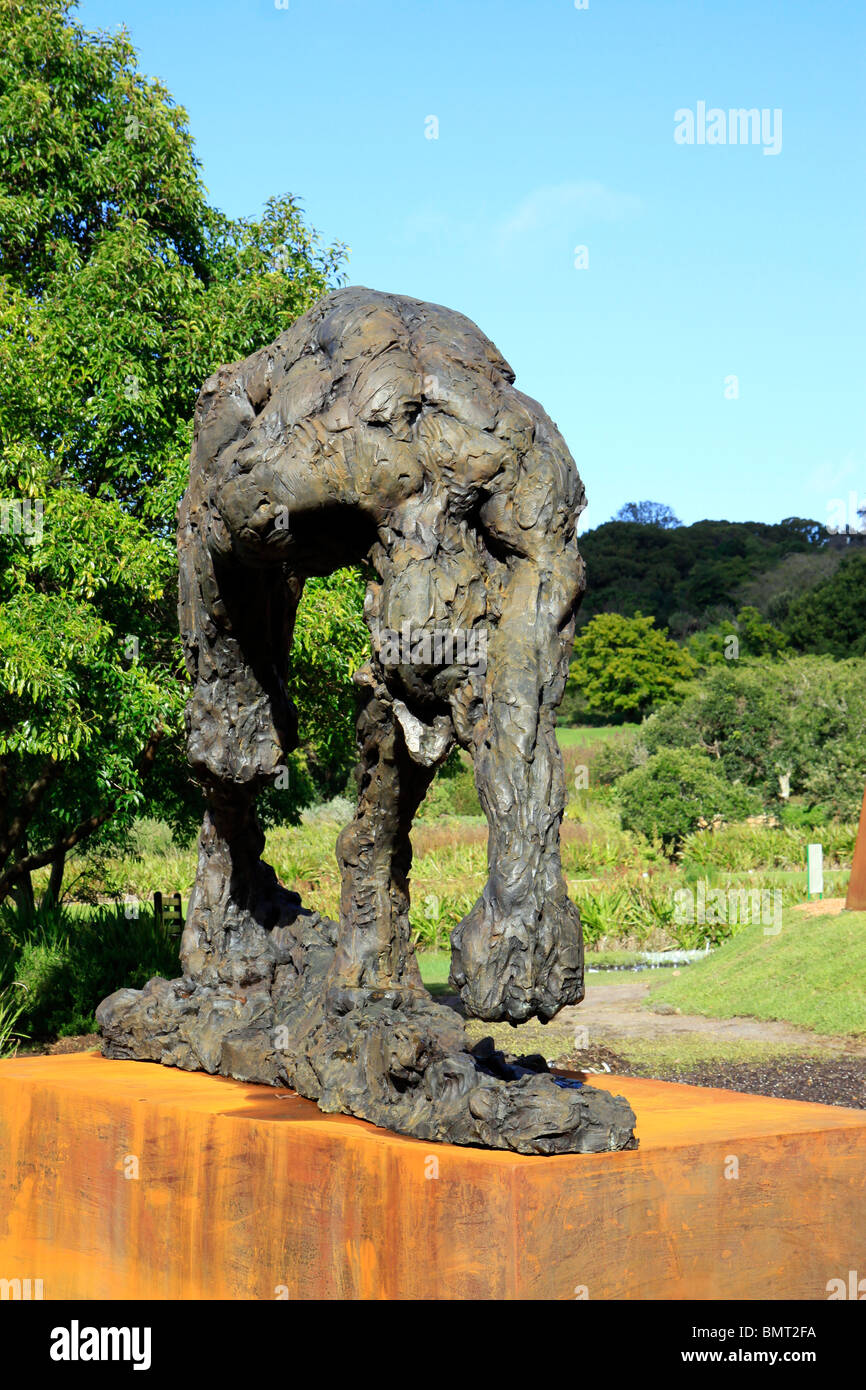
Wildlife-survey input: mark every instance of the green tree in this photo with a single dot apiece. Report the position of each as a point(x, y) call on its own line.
point(737, 716)
point(648, 514)
point(757, 637)
point(624, 667)
point(687, 576)
point(675, 791)
point(831, 618)
point(331, 643)
point(121, 290)
point(800, 719)
point(827, 739)
point(747, 635)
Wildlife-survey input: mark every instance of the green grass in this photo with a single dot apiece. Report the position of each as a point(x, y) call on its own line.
point(57, 965)
point(587, 735)
point(610, 977)
point(812, 974)
point(11, 1009)
point(434, 966)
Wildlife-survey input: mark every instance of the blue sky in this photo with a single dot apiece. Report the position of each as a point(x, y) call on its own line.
point(556, 125)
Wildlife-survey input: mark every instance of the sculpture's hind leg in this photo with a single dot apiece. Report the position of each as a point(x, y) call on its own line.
point(374, 851)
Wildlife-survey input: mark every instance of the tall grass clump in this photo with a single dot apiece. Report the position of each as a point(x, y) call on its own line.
point(11, 1009)
point(63, 962)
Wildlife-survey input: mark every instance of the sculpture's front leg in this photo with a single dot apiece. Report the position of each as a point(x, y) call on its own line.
point(519, 952)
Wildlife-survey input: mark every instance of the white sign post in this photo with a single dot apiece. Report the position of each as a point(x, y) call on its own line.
point(815, 863)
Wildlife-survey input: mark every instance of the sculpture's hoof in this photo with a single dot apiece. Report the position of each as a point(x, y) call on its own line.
point(515, 969)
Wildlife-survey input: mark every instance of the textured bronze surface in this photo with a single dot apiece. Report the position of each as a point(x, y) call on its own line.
point(385, 430)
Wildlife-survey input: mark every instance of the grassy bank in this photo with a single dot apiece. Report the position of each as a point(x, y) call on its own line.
point(812, 974)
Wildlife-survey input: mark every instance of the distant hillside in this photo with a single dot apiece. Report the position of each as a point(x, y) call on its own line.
point(690, 576)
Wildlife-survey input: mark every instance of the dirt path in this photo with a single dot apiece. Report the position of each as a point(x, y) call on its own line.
point(614, 1013)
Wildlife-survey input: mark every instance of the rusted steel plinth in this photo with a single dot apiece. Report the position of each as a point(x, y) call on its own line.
point(130, 1180)
point(856, 899)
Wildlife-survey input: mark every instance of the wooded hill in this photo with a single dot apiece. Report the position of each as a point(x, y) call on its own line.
point(807, 582)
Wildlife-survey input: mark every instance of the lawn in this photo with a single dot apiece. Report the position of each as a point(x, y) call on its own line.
point(434, 966)
point(587, 735)
point(812, 974)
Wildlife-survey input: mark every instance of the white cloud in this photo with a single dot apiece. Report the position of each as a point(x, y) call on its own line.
point(559, 209)
point(566, 204)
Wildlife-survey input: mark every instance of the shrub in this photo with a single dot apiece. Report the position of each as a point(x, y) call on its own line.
point(435, 917)
point(831, 617)
point(66, 963)
point(338, 811)
point(737, 715)
point(641, 913)
point(619, 756)
point(742, 847)
point(623, 667)
point(11, 1009)
point(803, 718)
point(828, 732)
point(674, 791)
point(800, 816)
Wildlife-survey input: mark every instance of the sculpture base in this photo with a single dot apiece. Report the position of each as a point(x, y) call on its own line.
point(390, 1055)
point(123, 1180)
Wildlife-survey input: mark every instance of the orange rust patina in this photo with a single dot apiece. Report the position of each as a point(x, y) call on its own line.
point(125, 1180)
point(856, 899)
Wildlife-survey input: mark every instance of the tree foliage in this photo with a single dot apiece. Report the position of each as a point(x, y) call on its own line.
point(748, 635)
point(801, 720)
point(675, 791)
point(831, 618)
point(624, 667)
point(331, 642)
point(648, 514)
point(121, 290)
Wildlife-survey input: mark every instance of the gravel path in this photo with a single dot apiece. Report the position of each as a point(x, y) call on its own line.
point(824, 1079)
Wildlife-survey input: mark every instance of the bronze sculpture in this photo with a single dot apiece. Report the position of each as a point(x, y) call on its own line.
point(381, 429)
